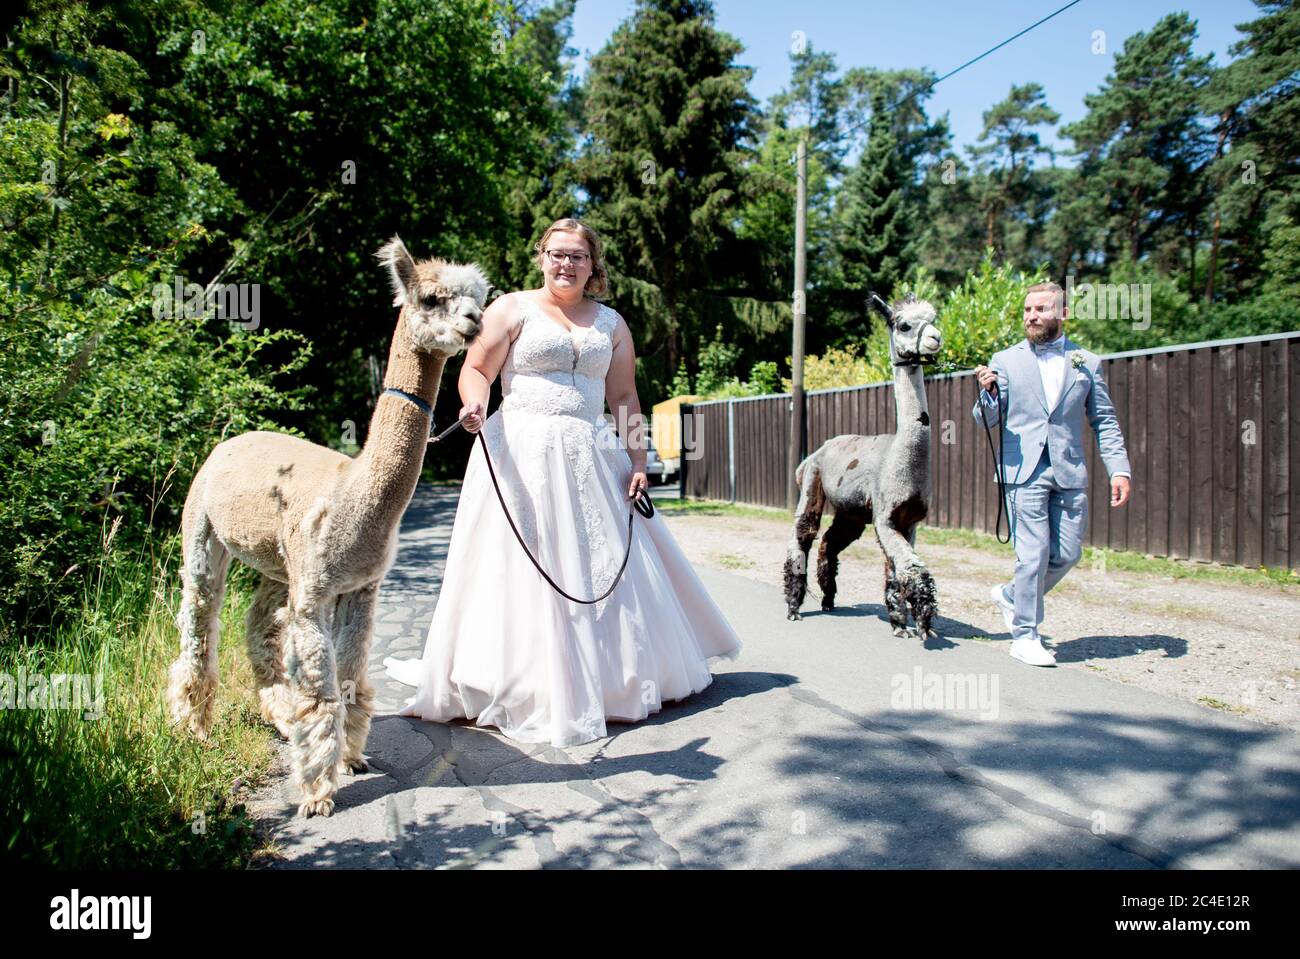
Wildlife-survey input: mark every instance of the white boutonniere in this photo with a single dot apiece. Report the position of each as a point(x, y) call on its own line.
point(1077, 359)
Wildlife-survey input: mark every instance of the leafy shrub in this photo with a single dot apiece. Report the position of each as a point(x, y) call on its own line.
point(106, 414)
point(837, 366)
point(717, 365)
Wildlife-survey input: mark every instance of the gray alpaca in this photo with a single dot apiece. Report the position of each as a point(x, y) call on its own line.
point(321, 528)
point(884, 480)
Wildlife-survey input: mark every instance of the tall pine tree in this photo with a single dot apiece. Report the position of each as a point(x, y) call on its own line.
point(1255, 175)
point(1005, 154)
point(1144, 148)
point(876, 234)
point(671, 123)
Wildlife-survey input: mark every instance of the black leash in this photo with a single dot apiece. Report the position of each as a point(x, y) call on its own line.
point(641, 503)
point(998, 463)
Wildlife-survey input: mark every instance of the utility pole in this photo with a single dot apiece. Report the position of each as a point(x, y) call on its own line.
point(800, 314)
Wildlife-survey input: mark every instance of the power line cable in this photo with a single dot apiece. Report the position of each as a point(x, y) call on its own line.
point(951, 73)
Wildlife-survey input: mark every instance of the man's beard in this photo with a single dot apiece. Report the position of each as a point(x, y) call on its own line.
point(1049, 331)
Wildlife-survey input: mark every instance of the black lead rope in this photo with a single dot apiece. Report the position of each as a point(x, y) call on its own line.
point(998, 465)
point(641, 503)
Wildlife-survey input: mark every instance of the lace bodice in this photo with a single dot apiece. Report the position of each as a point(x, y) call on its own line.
point(553, 385)
point(556, 371)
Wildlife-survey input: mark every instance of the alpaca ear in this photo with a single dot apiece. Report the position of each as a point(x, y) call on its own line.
point(880, 306)
point(401, 267)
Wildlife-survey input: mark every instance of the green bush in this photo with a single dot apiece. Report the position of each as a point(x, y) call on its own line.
point(764, 378)
point(836, 367)
point(978, 318)
point(717, 366)
point(106, 414)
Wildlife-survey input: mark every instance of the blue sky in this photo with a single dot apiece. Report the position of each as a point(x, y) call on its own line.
point(942, 35)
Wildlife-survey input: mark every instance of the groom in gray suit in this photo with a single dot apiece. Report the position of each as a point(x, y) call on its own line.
point(1045, 385)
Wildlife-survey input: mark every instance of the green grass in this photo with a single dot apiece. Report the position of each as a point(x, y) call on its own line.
point(1094, 557)
point(125, 790)
point(1221, 705)
point(1125, 561)
point(694, 507)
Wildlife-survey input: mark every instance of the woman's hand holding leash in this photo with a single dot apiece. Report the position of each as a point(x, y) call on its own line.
point(640, 495)
point(638, 483)
point(471, 417)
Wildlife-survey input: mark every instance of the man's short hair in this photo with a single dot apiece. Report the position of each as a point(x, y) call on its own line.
point(1049, 287)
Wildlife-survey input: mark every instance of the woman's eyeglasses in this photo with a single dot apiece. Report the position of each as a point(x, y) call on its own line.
point(557, 257)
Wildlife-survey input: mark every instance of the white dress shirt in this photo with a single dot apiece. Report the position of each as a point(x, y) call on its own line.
point(1051, 367)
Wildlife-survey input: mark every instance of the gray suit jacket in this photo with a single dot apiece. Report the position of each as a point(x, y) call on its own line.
point(1030, 425)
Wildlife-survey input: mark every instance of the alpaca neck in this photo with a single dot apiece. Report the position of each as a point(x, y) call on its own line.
point(388, 466)
point(910, 404)
point(412, 372)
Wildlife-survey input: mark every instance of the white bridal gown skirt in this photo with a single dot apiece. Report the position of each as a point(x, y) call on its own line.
point(505, 649)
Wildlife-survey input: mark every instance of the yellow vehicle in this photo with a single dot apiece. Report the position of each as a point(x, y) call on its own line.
point(666, 433)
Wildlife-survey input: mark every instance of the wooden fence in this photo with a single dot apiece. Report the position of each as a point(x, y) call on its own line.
point(1212, 431)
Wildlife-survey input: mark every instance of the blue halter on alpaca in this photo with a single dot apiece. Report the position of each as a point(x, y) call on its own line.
point(424, 407)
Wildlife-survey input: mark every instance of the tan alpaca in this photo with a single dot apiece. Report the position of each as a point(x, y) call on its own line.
point(321, 528)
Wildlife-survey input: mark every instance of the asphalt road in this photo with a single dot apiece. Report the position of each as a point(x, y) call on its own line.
point(830, 743)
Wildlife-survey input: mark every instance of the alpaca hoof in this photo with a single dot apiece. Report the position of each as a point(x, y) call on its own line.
point(793, 615)
point(316, 807)
point(283, 732)
point(827, 604)
point(194, 726)
point(900, 631)
point(349, 767)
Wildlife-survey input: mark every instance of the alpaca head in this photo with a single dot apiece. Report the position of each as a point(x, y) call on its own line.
point(913, 337)
point(442, 303)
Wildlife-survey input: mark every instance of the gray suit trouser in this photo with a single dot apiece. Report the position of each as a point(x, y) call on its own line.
point(1048, 524)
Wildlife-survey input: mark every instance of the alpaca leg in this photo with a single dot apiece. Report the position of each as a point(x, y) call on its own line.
point(895, 605)
point(920, 592)
point(192, 680)
point(264, 632)
point(895, 566)
point(914, 586)
point(318, 712)
point(808, 517)
point(844, 529)
point(353, 623)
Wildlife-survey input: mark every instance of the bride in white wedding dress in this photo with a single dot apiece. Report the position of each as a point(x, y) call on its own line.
point(504, 648)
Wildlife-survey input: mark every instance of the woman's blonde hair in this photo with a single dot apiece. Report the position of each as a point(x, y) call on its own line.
point(598, 283)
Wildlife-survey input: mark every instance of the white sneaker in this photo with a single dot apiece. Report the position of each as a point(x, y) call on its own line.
point(1008, 610)
point(1030, 650)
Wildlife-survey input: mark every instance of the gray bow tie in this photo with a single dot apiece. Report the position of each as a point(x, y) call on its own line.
point(1054, 347)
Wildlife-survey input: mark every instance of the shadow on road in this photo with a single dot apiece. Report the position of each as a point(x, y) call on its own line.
point(1118, 647)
